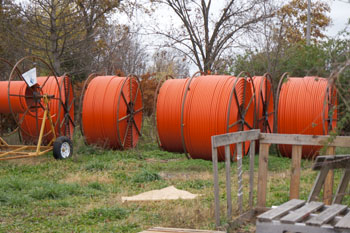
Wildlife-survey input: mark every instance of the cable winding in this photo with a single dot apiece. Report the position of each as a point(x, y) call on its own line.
point(112, 112)
point(303, 108)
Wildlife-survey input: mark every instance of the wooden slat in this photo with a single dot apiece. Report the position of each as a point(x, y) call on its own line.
point(177, 230)
point(281, 210)
point(297, 139)
point(295, 172)
point(240, 178)
point(328, 183)
point(343, 184)
point(216, 185)
point(333, 162)
point(228, 181)
point(262, 174)
point(344, 223)
point(326, 215)
point(251, 173)
point(316, 189)
point(232, 138)
point(302, 213)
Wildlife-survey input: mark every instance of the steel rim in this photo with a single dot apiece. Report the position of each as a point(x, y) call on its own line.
point(65, 150)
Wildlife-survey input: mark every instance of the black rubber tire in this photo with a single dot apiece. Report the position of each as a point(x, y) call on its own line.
point(60, 147)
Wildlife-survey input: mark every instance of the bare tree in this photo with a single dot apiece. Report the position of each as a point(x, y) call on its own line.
point(122, 51)
point(64, 32)
point(206, 34)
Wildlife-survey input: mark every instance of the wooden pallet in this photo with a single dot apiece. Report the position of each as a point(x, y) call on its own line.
point(299, 216)
point(177, 230)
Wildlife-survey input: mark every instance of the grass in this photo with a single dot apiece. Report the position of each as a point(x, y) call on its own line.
point(83, 194)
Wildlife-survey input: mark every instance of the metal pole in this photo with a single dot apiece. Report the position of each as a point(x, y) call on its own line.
point(308, 22)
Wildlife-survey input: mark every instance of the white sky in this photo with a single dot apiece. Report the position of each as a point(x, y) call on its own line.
point(340, 14)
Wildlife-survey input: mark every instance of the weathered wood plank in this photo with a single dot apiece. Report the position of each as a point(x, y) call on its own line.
point(343, 184)
point(177, 230)
point(297, 139)
point(302, 213)
point(232, 138)
point(333, 162)
point(344, 223)
point(295, 172)
point(326, 215)
point(240, 178)
point(280, 210)
point(251, 173)
point(320, 179)
point(216, 185)
point(262, 174)
point(329, 181)
point(228, 181)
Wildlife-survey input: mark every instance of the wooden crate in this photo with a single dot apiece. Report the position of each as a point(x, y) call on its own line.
point(309, 217)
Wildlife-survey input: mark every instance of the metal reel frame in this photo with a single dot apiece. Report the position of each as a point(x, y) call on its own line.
point(131, 112)
point(241, 110)
point(37, 97)
point(265, 103)
point(330, 101)
point(67, 119)
point(198, 73)
point(81, 99)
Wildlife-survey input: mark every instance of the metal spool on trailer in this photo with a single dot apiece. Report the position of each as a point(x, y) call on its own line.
point(111, 111)
point(44, 116)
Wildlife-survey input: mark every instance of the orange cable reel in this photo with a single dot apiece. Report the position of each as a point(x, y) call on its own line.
point(306, 106)
point(112, 111)
point(211, 105)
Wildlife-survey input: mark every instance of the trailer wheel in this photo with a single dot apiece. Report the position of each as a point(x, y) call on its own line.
point(62, 148)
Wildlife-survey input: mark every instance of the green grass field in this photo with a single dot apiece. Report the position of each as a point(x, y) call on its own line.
point(83, 194)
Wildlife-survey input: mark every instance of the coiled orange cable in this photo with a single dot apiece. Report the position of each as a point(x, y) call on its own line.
point(112, 112)
point(19, 103)
point(303, 108)
point(168, 113)
point(208, 111)
point(212, 105)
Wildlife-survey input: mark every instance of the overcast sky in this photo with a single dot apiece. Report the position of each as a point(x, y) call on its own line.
point(340, 14)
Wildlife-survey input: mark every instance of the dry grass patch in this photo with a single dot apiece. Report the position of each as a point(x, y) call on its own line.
point(85, 178)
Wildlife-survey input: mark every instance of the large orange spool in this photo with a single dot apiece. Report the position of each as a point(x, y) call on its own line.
point(190, 111)
point(112, 112)
point(61, 106)
point(306, 106)
point(264, 103)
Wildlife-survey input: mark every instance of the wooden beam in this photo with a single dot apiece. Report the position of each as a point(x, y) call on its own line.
point(251, 173)
point(295, 172)
point(228, 182)
point(262, 174)
point(343, 184)
point(233, 138)
point(298, 139)
point(216, 185)
point(240, 177)
point(328, 184)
